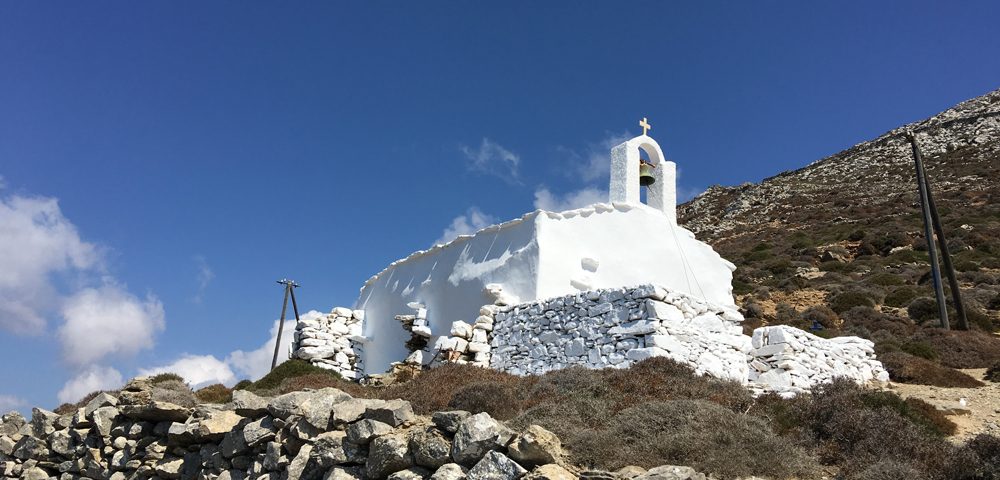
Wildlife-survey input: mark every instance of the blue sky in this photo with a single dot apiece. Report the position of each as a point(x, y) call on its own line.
point(163, 163)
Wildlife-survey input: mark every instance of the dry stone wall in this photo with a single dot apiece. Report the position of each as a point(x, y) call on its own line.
point(616, 328)
point(789, 361)
point(308, 435)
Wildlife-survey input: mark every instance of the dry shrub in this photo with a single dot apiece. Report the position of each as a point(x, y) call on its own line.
point(979, 458)
point(962, 349)
point(664, 379)
point(173, 391)
point(890, 469)
point(906, 368)
point(823, 315)
point(993, 373)
point(433, 390)
point(850, 299)
point(855, 428)
point(217, 393)
point(67, 408)
point(706, 436)
point(165, 377)
point(500, 401)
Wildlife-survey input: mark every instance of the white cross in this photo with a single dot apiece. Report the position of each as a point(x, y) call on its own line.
point(645, 125)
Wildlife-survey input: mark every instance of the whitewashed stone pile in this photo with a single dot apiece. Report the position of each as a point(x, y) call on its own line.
point(333, 342)
point(618, 327)
point(788, 361)
point(467, 343)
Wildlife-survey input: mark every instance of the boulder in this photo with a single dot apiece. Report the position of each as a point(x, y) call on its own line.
point(388, 454)
point(102, 399)
point(671, 472)
point(259, 432)
point(248, 404)
point(430, 449)
point(317, 409)
point(363, 431)
point(299, 463)
point(215, 425)
point(42, 422)
point(536, 446)
point(350, 411)
point(412, 473)
point(344, 473)
point(103, 419)
point(551, 472)
point(449, 421)
point(450, 471)
point(11, 423)
point(392, 412)
point(496, 466)
point(169, 468)
point(34, 473)
point(475, 436)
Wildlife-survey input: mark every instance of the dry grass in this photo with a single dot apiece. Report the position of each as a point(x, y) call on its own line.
point(217, 393)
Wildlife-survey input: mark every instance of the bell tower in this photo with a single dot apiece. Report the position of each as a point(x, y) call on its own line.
point(626, 178)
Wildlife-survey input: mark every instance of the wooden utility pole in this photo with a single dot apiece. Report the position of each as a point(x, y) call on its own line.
point(949, 268)
point(928, 230)
point(290, 287)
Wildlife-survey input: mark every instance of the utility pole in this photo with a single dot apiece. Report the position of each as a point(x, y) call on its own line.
point(290, 287)
point(928, 230)
point(949, 268)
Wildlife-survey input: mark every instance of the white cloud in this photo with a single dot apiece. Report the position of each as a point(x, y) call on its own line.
point(90, 380)
point(593, 162)
point(10, 402)
point(204, 277)
point(255, 364)
point(470, 222)
point(197, 370)
point(108, 320)
point(492, 158)
point(36, 243)
point(546, 200)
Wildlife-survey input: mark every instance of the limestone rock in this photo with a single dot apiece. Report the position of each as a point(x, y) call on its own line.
point(248, 404)
point(392, 412)
point(430, 449)
point(496, 466)
point(550, 472)
point(42, 422)
point(363, 431)
point(536, 446)
point(351, 410)
point(34, 473)
point(344, 473)
point(475, 436)
point(102, 399)
point(670, 472)
point(449, 421)
point(412, 473)
point(388, 454)
point(450, 471)
point(11, 423)
point(259, 432)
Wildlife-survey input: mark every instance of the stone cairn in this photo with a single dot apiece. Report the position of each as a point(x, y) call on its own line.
point(333, 342)
point(789, 361)
point(307, 435)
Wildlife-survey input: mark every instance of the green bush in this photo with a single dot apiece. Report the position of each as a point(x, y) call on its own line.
point(271, 382)
point(886, 280)
point(243, 385)
point(920, 349)
point(966, 266)
point(900, 297)
point(923, 309)
point(994, 303)
point(757, 256)
point(850, 299)
point(822, 314)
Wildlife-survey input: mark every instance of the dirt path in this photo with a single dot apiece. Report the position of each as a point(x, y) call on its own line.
point(980, 414)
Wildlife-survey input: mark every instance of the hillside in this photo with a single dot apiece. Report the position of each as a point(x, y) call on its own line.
point(840, 242)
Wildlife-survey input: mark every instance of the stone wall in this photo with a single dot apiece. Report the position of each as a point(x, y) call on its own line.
point(618, 327)
point(333, 342)
point(309, 435)
point(789, 361)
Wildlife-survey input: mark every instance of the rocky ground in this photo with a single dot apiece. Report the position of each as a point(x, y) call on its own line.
point(974, 410)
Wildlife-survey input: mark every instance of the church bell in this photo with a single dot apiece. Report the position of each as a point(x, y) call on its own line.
point(646, 177)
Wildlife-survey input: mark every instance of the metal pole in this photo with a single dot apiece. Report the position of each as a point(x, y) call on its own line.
point(281, 325)
point(949, 269)
point(924, 206)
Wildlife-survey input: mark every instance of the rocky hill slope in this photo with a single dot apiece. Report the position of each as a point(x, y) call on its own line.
point(839, 243)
